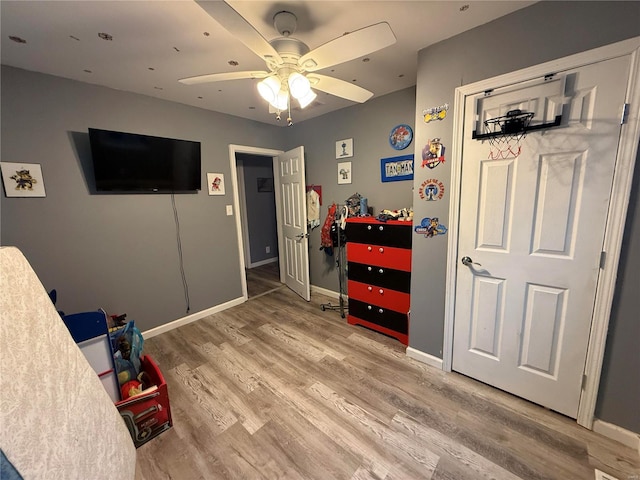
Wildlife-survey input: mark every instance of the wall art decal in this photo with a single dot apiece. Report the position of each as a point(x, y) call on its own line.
point(435, 113)
point(344, 148)
point(430, 227)
point(216, 183)
point(22, 179)
point(433, 154)
point(431, 190)
point(400, 137)
point(394, 169)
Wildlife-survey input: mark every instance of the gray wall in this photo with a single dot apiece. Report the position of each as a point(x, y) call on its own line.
point(619, 395)
point(369, 125)
point(552, 30)
point(119, 252)
point(261, 207)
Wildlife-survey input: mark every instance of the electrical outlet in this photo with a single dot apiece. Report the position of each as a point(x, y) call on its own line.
point(268, 249)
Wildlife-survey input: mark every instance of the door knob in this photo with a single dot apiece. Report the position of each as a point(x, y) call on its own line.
point(300, 236)
point(467, 262)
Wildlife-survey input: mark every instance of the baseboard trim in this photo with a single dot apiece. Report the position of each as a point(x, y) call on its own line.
point(192, 318)
point(619, 434)
point(424, 358)
point(263, 262)
point(324, 291)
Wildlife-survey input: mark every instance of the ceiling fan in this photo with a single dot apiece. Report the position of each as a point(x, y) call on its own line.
point(291, 64)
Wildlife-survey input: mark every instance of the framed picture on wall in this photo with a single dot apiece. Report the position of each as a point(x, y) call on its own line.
point(265, 184)
point(344, 148)
point(394, 169)
point(22, 179)
point(344, 173)
point(215, 182)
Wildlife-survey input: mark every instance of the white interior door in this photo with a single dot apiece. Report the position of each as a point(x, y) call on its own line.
point(293, 211)
point(534, 226)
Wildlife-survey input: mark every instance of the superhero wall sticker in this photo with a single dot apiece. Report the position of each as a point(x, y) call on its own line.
point(433, 154)
point(435, 113)
point(431, 190)
point(430, 227)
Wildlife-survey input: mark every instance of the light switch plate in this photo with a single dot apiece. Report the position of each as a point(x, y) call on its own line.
point(229, 210)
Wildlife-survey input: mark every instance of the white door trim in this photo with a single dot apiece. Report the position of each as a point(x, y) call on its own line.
point(233, 149)
point(244, 221)
point(621, 191)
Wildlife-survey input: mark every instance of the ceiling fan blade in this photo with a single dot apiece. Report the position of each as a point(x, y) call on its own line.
point(232, 21)
point(221, 77)
point(352, 45)
point(339, 88)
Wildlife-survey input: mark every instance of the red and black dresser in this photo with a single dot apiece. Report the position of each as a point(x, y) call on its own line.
point(379, 275)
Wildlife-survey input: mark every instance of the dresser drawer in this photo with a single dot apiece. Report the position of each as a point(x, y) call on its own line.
point(380, 233)
point(372, 254)
point(381, 276)
point(377, 315)
point(377, 295)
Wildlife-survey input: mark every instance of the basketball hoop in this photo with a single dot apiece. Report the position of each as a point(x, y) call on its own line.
point(505, 133)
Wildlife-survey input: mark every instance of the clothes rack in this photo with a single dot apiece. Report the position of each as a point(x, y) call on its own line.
point(340, 262)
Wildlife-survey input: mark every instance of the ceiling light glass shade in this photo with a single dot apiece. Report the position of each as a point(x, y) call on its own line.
point(269, 88)
point(298, 85)
point(282, 101)
point(307, 99)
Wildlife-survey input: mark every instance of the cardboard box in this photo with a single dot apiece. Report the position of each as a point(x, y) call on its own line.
point(148, 414)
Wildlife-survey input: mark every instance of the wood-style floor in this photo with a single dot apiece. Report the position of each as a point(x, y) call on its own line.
point(277, 389)
point(263, 279)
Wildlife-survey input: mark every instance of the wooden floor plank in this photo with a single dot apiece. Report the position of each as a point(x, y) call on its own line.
point(276, 388)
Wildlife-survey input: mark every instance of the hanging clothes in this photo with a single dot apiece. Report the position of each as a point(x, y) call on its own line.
point(325, 233)
point(313, 209)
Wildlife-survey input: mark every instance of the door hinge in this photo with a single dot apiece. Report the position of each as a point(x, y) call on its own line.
point(603, 259)
point(625, 114)
point(584, 381)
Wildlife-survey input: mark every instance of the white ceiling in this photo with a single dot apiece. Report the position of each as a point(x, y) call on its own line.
point(154, 43)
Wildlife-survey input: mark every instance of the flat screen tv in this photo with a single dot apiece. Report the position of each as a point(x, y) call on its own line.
point(129, 162)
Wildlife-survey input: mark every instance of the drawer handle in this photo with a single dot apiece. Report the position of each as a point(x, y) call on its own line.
point(370, 288)
point(369, 248)
point(380, 310)
point(381, 250)
point(381, 271)
point(381, 228)
point(381, 291)
point(368, 227)
point(369, 269)
point(369, 307)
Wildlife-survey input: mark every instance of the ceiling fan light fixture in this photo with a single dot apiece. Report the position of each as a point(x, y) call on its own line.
point(299, 85)
point(307, 99)
point(281, 102)
point(269, 88)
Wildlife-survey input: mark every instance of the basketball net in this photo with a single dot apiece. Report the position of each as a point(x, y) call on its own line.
point(505, 134)
point(503, 148)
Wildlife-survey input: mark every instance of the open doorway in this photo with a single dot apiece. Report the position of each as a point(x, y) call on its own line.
point(248, 262)
point(291, 216)
point(259, 222)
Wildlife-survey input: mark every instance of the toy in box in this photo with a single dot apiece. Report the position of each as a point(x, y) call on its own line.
point(148, 413)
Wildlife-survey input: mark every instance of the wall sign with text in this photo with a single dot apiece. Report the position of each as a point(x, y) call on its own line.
point(395, 169)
